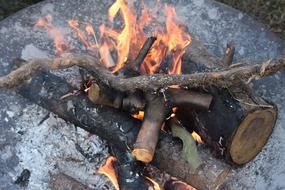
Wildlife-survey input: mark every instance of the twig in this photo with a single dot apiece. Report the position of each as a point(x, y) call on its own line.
point(143, 52)
point(134, 69)
point(145, 82)
point(229, 54)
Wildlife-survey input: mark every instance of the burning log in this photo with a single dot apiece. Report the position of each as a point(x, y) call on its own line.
point(118, 128)
point(227, 77)
point(156, 110)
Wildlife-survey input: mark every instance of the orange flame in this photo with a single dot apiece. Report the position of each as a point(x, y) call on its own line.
point(124, 43)
point(197, 137)
point(124, 38)
point(75, 26)
point(109, 171)
point(172, 39)
point(58, 35)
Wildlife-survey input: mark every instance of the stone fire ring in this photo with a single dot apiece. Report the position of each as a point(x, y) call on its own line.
point(48, 146)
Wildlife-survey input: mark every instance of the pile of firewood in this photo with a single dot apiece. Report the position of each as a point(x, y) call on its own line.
point(211, 97)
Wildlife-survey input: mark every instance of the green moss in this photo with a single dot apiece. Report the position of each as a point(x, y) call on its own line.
point(270, 12)
point(8, 7)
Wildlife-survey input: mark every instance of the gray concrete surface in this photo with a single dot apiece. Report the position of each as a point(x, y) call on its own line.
point(50, 147)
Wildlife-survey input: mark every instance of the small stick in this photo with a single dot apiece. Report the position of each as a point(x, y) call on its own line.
point(102, 95)
point(190, 98)
point(229, 54)
point(155, 114)
point(143, 52)
point(135, 67)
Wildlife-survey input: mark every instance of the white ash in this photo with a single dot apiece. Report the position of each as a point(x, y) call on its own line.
point(51, 147)
point(30, 52)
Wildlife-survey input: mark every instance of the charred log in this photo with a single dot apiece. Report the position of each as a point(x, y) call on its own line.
point(237, 125)
point(129, 171)
point(239, 122)
point(143, 53)
point(117, 128)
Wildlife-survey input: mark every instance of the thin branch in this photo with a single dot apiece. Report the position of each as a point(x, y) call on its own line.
point(145, 82)
point(143, 53)
point(134, 69)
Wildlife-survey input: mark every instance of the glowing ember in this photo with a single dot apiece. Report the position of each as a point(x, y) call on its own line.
point(153, 183)
point(197, 137)
point(139, 115)
point(109, 171)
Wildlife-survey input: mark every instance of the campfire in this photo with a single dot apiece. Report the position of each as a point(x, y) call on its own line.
point(141, 67)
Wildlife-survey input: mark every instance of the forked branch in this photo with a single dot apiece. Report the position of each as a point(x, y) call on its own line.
point(224, 77)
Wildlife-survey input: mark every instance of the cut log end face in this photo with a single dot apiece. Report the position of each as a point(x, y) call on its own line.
point(252, 134)
point(143, 155)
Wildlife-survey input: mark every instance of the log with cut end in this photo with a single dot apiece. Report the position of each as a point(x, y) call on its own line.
point(156, 109)
point(100, 94)
point(103, 95)
point(119, 129)
point(155, 114)
point(238, 123)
